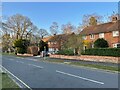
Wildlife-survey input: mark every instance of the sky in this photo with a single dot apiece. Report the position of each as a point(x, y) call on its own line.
point(42, 14)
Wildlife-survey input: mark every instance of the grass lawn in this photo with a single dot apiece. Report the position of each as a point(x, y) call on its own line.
point(7, 82)
point(110, 68)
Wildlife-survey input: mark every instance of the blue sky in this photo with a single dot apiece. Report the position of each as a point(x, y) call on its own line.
point(43, 14)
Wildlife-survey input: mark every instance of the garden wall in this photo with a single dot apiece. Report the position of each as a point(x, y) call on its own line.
point(90, 58)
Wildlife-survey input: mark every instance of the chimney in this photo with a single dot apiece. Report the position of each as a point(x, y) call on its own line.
point(114, 18)
point(54, 34)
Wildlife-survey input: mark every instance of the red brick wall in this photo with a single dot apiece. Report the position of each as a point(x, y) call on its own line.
point(90, 58)
point(52, 45)
point(107, 36)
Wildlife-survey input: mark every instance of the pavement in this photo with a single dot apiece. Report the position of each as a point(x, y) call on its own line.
point(34, 73)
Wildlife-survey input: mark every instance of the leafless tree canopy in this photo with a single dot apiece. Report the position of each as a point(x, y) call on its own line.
point(91, 18)
point(54, 28)
point(68, 28)
point(42, 33)
point(19, 24)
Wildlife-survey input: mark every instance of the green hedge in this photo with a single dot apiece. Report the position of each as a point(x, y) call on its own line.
point(103, 52)
point(66, 52)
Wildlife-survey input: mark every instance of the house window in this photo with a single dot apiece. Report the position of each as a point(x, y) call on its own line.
point(101, 35)
point(48, 42)
point(92, 36)
point(92, 45)
point(116, 45)
point(115, 33)
point(55, 42)
point(84, 37)
point(85, 47)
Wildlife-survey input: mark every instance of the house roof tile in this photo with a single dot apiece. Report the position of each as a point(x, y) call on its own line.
point(102, 28)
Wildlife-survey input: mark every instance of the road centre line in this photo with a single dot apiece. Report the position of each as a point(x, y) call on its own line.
point(16, 78)
point(36, 66)
point(11, 59)
point(19, 61)
point(87, 79)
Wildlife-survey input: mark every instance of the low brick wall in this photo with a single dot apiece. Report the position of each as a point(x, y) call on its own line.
point(24, 54)
point(90, 58)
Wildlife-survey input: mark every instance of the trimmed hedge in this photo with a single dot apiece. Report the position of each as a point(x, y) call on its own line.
point(103, 52)
point(66, 52)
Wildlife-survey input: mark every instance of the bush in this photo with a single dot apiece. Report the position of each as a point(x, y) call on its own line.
point(32, 50)
point(103, 52)
point(21, 45)
point(21, 50)
point(101, 43)
point(66, 52)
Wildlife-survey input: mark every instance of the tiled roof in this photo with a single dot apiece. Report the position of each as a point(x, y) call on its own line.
point(56, 37)
point(46, 38)
point(106, 27)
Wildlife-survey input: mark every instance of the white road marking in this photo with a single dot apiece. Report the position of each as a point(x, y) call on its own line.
point(35, 66)
point(16, 78)
point(11, 59)
point(19, 61)
point(32, 59)
point(79, 77)
point(18, 57)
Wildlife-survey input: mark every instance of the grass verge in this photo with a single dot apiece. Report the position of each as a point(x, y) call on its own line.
point(108, 68)
point(8, 83)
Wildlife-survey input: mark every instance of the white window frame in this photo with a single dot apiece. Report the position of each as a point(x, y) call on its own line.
point(92, 36)
point(115, 33)
point(115, 45)
point(48, 42)
point(92, 45)
point(55, 42)
point(101, 35)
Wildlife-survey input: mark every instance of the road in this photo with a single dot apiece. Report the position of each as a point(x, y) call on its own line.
point(39, 74)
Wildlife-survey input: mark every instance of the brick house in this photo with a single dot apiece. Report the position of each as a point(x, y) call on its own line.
point(109, 31)
point(55, 42)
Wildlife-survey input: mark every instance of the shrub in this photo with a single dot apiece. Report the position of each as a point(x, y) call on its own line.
point(21, 45)
point(100, 43)
point(32, 50)
point(66, 52)
point(103, 52)
point(21, 50)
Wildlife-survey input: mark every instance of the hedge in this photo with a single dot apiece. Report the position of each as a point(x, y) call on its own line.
point(103, 52)
point(66, 52)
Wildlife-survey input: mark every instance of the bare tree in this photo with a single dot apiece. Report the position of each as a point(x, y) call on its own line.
point(68, 28)
point(42, 33)
point(7, 42)
point(19, 24)
point(54, 28)
point(91, 19)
